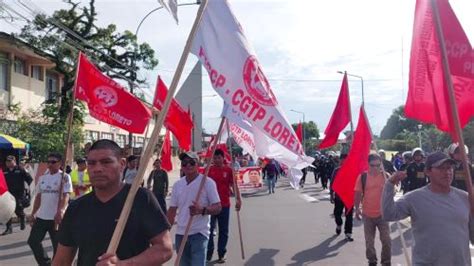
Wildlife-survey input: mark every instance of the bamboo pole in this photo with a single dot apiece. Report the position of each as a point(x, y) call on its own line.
point(114, 242)
point(452, 103)
point(198, 196)
point(70, 120)
point(235, 192)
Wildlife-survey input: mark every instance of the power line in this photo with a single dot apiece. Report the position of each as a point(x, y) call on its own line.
point(78, 47)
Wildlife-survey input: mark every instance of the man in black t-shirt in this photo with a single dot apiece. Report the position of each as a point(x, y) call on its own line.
point(160, 181)
point(89, 222)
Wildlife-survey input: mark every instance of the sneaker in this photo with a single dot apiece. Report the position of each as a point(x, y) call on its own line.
point(349, 237)
point(338, 230)
point(209, 257)
point(221, 260)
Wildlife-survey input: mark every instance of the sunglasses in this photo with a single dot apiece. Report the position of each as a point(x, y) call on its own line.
point(186, 162)
point(52, 162)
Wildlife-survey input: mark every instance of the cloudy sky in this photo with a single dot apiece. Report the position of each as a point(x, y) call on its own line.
point(301, 45)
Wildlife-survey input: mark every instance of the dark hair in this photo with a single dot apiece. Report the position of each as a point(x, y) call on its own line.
point(131, 158)
point(56, 155)
point(219, 152)
point(374, 157)
point(80, 160)
point(106, 144)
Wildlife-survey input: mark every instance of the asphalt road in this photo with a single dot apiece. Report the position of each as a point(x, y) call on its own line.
point(286, 228)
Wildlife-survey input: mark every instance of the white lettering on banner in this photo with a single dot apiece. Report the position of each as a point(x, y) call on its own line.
point(217, 80)
point(242, 136)
point(108, 115)
point(247, 106)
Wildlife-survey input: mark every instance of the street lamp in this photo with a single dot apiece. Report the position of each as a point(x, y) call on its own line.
point(419, 134)
point(199, 97)
point(299, 112)
point(355, 76)
point(130, 83)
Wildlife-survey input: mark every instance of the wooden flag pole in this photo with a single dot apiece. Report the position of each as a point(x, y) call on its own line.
point(114, 242)
point(70, 120)
point(235, 192)
point(452, 103)
point(198, 196)
point(399, 229)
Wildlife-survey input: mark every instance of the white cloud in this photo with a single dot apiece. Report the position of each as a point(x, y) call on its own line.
point(301, 44)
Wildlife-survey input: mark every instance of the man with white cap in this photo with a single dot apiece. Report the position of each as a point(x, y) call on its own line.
point(183, 205)
point(459, 175)
point(440, 215)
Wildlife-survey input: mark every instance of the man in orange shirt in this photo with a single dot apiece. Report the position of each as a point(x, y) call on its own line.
point(368, 190)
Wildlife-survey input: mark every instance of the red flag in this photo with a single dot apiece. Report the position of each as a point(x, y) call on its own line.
point(355, 163)
point(107, 100)
point(3, 183)
point(428, 99)
point(166, 153)
point(177, 120)
point(299, 132)
point(340, 117)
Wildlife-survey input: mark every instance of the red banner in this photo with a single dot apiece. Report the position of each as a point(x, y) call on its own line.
point(177, 120)
point(341, 116)
point(166, 163)
point(355, 163)
point(107, 100)
point(428, 99)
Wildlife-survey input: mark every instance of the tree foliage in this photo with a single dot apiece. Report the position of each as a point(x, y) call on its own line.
point(311, 134)
point(59, 37)
point(401, 134)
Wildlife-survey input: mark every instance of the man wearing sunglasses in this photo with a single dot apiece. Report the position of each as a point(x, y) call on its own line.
point(47, 210)
point(368, 190)
point(440, 214)
point(183, 199)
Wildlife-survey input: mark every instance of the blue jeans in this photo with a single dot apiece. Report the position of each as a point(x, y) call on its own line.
point(194, 253)
point(223, 222)
point(271, 184)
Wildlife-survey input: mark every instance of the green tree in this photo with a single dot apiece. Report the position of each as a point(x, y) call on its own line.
point(311, 135)
point(60, 37)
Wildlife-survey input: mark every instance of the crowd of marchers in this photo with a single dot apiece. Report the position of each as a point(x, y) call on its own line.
point(79, 208)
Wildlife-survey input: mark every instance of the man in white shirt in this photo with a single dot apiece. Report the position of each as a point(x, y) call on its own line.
point(131, 170)
point(183, 199)
point(47, 211)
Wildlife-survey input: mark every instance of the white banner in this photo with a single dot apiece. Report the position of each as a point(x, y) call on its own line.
point(237, 76)
point(256, 142)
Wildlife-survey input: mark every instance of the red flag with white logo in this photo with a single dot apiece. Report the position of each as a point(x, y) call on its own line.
point(107, 100)
point(341, 116)
point(166, 153)
point(356, 162)
point(428, 99)
point(177, 120)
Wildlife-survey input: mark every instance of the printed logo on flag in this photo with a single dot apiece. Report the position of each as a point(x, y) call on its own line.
point(107, 96)
point(256, 82)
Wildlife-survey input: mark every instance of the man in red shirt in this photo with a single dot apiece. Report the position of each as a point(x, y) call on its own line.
point(223, 176)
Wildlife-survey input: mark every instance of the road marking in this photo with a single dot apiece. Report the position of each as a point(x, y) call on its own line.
point(308, 198)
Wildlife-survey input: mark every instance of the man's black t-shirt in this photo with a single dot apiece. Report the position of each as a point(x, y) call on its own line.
point(88, 225)
point(416, 177)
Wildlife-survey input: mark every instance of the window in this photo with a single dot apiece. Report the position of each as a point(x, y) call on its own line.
point(4, 71)
point(20, 66)
point(37, 72)
point(121, 140)
point(139, 141)
point(52, 86)
point(91, 136)
point(3, 75)
point(107, 136)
